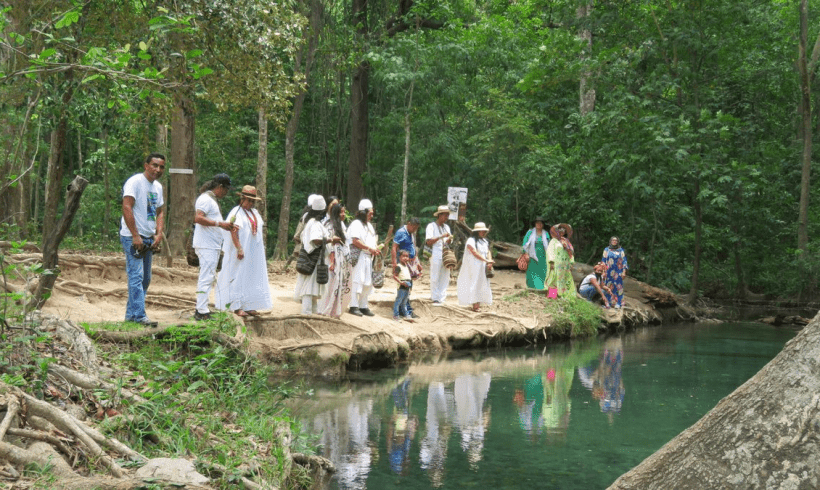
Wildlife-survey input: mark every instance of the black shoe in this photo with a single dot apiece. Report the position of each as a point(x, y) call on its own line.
point(201, 316)
point(147, 323)
point(355, 311)
point(366, 312)
point(414, 315)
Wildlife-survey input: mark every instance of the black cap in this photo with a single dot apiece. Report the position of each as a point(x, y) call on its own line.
point(222, 179)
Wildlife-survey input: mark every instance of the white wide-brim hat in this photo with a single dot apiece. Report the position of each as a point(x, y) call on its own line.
point(365, 204)
point(442, 209)
point(318, 203)
point(480, 226)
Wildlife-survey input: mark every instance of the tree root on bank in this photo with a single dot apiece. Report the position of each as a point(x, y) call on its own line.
point(34, 431)
point(90, 440)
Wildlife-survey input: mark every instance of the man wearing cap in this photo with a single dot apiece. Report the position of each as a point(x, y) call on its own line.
point(143, 219)
point(437, 235)
point(208, 238)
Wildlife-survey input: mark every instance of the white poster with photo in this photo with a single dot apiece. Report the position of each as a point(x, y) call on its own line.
point(457, 200)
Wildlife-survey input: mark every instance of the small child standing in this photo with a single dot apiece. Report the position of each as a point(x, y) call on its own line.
point(402, 276)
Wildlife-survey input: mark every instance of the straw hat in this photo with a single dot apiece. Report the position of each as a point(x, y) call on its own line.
point(480, 226)
point(566, 227)
point(442, 209)
point(249, 192)
point(365, 204)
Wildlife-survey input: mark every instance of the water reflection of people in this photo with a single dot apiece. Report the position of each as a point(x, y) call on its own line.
point(557, 383)
point(472, 419)
point(402, 428)
point(605, 380)
point(529, 402)
point(433, 453)
point(345, 441)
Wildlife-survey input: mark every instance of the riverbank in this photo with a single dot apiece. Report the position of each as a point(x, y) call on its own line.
point(91, 289)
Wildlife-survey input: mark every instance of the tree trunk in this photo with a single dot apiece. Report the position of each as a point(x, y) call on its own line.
point(282, 233)
point(51, 243)
point(54, 174)
point(693, 292)
point(182, 192)
point(262, 172)
point(805, 131)
point(763, 435)
point(358, 113)
point(106, 186)
point(587, 92)
point(406, 155)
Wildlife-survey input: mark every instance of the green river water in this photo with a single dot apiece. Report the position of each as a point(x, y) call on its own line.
point(570, 416)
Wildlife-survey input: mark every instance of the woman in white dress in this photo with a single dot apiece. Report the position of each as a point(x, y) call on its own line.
point(337, 293)
point(362, 235)
point(307, 290)
point(473, 285)
point(242, 285)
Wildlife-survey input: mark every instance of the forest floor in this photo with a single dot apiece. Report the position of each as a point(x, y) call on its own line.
point(92, 289)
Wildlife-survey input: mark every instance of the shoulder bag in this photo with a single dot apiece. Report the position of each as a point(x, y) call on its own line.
point(322, 275)
point(378, 272)
point(306, 262)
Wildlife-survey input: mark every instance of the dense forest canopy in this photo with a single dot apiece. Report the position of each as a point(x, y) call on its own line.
point(675, 125)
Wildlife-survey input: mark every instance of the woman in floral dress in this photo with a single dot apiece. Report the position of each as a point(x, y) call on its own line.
point(616, 266)
point(560, 257)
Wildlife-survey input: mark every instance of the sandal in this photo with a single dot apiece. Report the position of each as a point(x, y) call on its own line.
point(253, 313)
point(241, 313)
point(475, 307)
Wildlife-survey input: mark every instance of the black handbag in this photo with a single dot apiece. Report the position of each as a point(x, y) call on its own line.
point(321, 268)
point(306, 262)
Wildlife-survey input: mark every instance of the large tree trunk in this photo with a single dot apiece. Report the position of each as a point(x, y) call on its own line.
point(763, 435)
point(805, 132)
point(182, 192)
point(358, 114)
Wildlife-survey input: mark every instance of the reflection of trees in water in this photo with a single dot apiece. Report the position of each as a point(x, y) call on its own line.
point(345, 441)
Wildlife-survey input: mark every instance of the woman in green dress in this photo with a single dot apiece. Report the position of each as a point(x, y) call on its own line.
point(535, 245)
point(560, 258)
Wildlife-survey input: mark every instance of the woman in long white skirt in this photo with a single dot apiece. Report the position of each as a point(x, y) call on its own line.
point(362, 236)
point(337, 293)
point(307, 290)
point(473, 285)
point(242, 285)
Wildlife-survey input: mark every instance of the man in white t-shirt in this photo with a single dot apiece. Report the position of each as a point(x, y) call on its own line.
point(143, 219)
point(208, 238)
point(436, 235)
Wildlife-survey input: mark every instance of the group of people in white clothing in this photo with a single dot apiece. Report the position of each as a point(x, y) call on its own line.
point(349, 253)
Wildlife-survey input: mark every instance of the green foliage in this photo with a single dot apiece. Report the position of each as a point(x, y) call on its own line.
point(574, 317)
point(202, 398)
